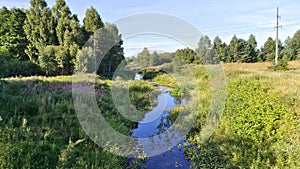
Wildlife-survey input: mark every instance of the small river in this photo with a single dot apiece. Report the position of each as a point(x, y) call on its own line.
point(156, 122)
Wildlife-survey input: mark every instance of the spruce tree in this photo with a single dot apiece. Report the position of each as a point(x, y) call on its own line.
point(92, 21)
point(67, 32)
point(233, 50)
point(39, 29)
point(12, 35)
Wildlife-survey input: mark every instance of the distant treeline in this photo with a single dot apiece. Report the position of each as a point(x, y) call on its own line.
point(238, 50)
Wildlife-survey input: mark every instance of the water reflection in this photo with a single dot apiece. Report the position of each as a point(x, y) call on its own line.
point(157, 127)
point(138, 76)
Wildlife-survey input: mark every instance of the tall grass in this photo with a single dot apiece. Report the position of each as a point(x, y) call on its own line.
point(39, 126)
point(260, 125)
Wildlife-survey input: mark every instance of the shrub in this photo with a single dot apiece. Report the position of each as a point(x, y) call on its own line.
point(282, 65)
point(256, 131)
point(10, 66)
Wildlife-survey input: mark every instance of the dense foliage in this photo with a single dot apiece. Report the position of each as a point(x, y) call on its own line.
point(39, 127)
point(258, 129)
point(12, 35)
point(11, 66)
point(52, 38)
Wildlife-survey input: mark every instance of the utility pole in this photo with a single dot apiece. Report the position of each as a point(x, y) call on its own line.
point(277, 43)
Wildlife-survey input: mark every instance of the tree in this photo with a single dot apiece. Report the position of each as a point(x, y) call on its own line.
point(177, 62)
point(156, 59)
point(243, 51)
point(296, 41)
point(48, 60)
point(92, 21)
point(5, 15)
point(261, 55)
point(12, 35)
point(252, 41)
point(143, 58)
point(11, 66)
point(39, 29)
point(218, 45)
point(65, 22)
point(109, 51)
point(269, 49)
point(290, 49)
point(85, 60)
point(233, 50)
point(247, 51)
point(146, 59)
point(67, 32)
point(62, 16)
point(206, 52)
point(165, 57)
point(221, 49)
point(187, 55)
point(116, 54)
point(252, 55)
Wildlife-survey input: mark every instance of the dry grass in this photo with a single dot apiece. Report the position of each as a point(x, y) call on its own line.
point(294, 67)
point(255, 67)
point(287, 83)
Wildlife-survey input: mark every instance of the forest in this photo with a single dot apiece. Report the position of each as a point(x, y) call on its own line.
point(42, 49)
point(44, 41)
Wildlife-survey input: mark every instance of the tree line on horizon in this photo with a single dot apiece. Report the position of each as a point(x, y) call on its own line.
point(238, 50)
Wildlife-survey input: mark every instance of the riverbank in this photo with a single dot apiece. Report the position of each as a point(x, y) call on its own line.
point(39, 125)
point(259, 127)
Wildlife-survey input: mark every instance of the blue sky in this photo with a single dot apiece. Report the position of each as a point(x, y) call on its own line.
point(215, 17)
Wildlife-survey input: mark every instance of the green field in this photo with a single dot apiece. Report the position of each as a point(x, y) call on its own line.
point(39, 127)
point(259, 127)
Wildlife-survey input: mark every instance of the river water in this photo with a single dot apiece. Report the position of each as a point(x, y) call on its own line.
point(156, 122)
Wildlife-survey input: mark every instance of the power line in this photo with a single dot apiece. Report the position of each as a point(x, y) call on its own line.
point(234, 29)
point(277, 27)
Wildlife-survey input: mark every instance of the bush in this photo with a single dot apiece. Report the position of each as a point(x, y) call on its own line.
point(10, 66)
point(282, 65)
point(151, 73)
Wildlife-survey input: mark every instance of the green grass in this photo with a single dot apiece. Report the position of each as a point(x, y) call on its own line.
point(259, 127)
point(166, 80)
point(39, 126)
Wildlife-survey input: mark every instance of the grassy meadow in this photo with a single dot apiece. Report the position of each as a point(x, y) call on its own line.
point(39, 127)
point(259, 127)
